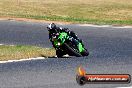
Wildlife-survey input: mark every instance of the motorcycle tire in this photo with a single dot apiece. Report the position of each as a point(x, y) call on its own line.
point(59, 53)
point(85, 53)
point(71, 51)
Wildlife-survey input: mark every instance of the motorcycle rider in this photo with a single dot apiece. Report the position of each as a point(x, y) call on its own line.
point(52, 28)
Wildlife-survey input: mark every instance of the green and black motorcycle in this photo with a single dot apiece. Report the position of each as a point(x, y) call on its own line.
point(65, 44)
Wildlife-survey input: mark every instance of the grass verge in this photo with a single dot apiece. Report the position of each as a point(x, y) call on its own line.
point(22, 52)
point(88, 11)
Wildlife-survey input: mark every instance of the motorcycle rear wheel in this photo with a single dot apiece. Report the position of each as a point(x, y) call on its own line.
point(85, 53)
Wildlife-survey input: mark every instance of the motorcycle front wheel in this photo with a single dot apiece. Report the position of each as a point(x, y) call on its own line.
point(59, 53)
point(72, 51)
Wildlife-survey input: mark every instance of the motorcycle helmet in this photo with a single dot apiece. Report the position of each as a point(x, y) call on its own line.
point(51, 26)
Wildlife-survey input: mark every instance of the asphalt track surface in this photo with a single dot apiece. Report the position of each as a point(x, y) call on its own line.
point(110, 52)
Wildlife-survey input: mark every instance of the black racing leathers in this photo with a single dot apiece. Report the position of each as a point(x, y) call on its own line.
point(59, 30)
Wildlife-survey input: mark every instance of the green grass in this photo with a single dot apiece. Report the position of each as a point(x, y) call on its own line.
point(22, 52)
point(88, 11)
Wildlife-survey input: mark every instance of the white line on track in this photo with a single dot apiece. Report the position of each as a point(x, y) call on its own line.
point(6, 44)
point(28, 59)
point(125, 87)
point(91, 25)
point(9, 61)
point(1, 44)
